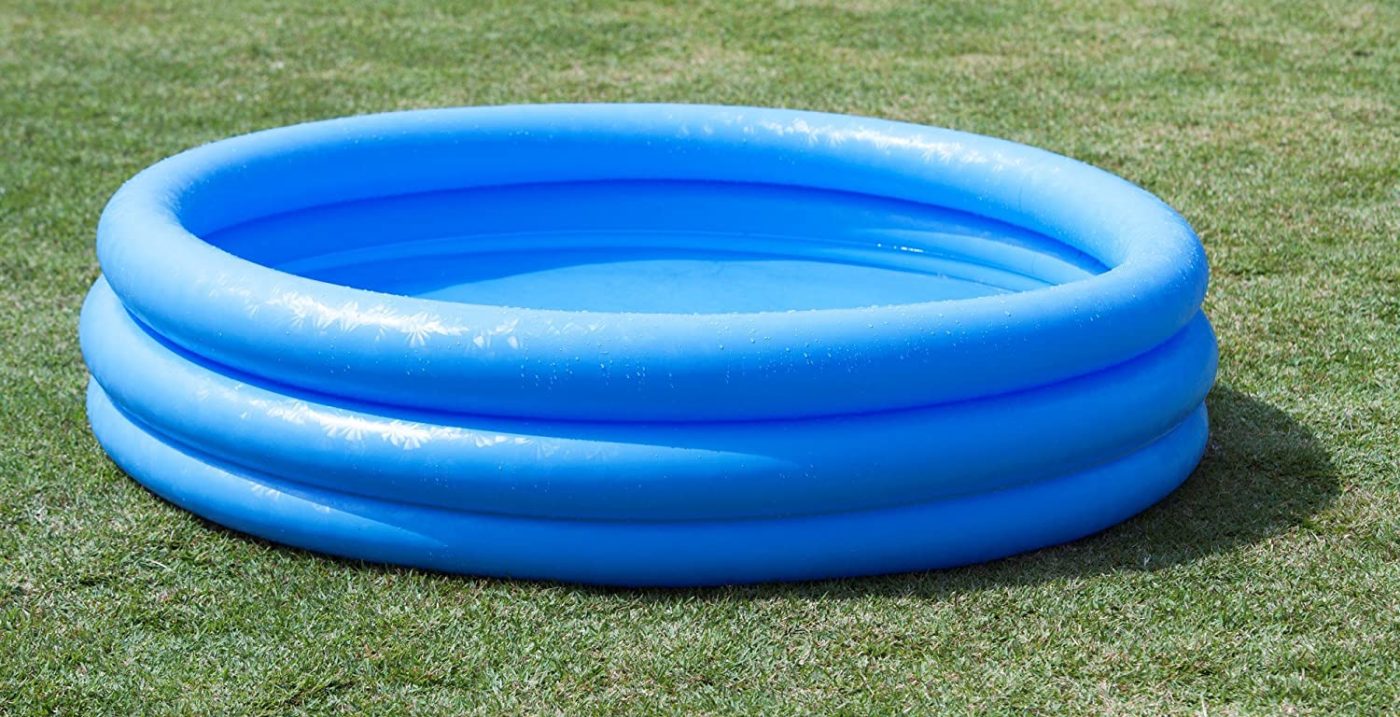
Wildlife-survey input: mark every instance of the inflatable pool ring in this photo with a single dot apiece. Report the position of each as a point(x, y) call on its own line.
point(647, 344)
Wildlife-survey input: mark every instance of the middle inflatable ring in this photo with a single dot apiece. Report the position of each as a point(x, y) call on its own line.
point(641, 471)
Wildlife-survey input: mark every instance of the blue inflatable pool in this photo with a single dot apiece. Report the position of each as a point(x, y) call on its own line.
point(647, 344)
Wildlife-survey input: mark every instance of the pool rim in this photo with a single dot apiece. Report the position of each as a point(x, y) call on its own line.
point(229, 311)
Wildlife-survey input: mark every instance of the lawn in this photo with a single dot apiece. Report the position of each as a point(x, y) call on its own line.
point(1268, 584)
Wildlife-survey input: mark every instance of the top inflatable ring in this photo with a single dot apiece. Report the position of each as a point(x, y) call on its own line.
point(1126, 273)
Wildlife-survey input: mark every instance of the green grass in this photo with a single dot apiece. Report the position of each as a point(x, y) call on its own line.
point(1269, 584)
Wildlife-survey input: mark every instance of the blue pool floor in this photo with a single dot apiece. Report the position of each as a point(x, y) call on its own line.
point(664, 247)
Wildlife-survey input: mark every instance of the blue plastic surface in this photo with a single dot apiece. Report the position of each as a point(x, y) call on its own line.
point(647, 344)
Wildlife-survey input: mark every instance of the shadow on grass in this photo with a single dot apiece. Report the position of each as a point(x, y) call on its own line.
point(1263, 473)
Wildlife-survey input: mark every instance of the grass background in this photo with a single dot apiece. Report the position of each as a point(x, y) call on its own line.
point(1269, 584)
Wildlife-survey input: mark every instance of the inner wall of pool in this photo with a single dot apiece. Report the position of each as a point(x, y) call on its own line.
point(656, 247)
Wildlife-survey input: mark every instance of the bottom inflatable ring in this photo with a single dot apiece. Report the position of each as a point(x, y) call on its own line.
point(945, 533)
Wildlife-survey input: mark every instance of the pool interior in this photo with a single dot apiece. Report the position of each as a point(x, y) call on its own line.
point(657, 247)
